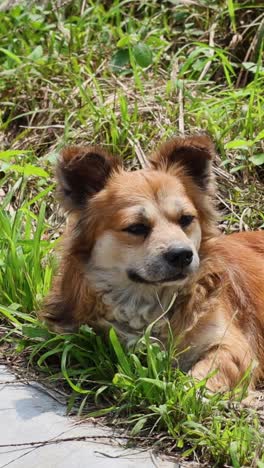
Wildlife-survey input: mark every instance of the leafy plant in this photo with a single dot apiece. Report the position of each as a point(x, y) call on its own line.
point(131, 50)
point(125, 75)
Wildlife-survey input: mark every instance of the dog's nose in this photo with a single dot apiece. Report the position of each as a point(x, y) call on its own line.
point(178, 257)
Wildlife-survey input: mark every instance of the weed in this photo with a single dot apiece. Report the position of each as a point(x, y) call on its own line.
point(126, 75)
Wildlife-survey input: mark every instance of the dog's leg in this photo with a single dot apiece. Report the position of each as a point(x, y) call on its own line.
point(227, 362)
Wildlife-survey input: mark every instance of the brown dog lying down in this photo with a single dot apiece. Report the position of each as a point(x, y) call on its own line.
point(137, 239)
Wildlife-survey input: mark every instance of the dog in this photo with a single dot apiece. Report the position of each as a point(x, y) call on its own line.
point(139, 241)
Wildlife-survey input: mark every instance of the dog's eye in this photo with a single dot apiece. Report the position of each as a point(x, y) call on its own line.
point(185, 220)
point(137, 229)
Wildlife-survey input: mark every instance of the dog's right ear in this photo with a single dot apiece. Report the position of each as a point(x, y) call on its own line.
point(193, 153)
point(82, 171)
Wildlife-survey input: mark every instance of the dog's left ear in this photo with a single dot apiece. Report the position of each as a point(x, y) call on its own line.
point(194, 154)
point(82, 171)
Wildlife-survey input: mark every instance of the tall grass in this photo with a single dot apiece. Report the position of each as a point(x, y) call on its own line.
point(126, 75)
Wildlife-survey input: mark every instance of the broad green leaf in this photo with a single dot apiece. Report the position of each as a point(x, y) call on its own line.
point(9, 154)
point(238, 144)
point(36, 53)
point(122, 381)
point(119, 60)
point(142, 54)
point(32, 331)
point(240, 167)
point(156, 41)
point(29, 170)
point(124, 42)
point(257, 159)
point(252, 67)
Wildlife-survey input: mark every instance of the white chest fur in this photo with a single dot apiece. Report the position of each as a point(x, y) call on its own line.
point(132, 306)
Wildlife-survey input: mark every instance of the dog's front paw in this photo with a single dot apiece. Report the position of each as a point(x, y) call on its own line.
point(204, 369)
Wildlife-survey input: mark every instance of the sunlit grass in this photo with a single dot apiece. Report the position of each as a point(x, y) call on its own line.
point(125, 75)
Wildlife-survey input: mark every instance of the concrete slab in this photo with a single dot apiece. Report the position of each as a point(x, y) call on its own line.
point(29, 415)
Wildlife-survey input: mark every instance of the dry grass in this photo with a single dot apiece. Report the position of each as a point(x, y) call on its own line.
point(59, 85)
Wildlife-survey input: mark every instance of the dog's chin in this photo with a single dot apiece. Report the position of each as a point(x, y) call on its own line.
point(177, 279)
point(177, 283)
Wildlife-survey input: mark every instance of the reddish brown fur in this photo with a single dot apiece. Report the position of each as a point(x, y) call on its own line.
point(219, 313)
point(230, 284)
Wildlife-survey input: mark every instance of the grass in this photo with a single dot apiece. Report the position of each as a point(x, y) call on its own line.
point(126, 75)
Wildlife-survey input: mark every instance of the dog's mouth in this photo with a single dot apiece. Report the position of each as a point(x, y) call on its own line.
point(136, 278)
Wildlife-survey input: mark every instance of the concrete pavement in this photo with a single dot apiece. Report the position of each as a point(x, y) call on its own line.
point(27, 414)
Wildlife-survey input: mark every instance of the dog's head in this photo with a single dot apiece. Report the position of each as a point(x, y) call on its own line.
point(144, 226)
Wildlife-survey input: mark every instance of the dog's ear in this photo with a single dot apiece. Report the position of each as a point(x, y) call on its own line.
point(194, 153)
point(82, 171)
